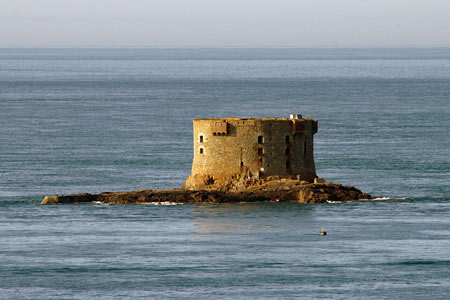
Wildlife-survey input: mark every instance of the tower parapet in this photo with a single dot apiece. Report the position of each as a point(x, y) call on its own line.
point(230, 148)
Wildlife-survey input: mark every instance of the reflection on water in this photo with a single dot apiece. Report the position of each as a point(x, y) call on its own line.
point(214, 227)
point(249, 216)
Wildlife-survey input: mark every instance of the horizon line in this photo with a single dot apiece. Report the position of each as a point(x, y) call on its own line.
point(223, 47)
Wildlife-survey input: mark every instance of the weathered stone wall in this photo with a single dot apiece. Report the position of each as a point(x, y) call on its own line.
point(255, 148)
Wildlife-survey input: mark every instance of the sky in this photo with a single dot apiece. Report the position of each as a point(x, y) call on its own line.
point(225, 23)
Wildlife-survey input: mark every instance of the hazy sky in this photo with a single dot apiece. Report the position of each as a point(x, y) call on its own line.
point(224, 23)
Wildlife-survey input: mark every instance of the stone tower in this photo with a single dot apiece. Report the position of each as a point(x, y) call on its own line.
point(232, 148)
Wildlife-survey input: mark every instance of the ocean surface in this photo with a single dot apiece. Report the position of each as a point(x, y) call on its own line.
point(94, 120)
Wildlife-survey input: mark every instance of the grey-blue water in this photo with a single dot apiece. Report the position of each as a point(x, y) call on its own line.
point(93, 120)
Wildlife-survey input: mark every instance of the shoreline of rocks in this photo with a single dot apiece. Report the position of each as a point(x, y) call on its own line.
point(275, 190)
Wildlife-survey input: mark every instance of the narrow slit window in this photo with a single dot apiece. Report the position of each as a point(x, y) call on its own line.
point(201, 150)
point(287, 139)
point(242, 163)
point(288, 164)
point(201, 139)
point(287, 151)
point(260, 139)
point(260, 151)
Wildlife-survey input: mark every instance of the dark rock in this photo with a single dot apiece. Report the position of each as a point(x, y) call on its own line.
point(276, 189)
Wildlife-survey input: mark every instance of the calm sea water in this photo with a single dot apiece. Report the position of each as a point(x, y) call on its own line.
point(93, 120)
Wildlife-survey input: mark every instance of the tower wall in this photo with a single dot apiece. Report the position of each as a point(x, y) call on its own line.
point(254, 147)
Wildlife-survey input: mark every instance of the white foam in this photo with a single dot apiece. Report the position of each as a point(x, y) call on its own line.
point(373, 199)
point(101, 203)
point(161, 203)
point(388, 198)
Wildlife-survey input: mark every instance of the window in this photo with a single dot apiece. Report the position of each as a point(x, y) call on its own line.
point(287, 151)
point(260, 139)
point(288, 164)
point(201, 139)
point(201, 150)
point(260, 151)
point(287, 139)
point(242, 163)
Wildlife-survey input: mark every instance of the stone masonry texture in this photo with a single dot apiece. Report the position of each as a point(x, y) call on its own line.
point(255, 148)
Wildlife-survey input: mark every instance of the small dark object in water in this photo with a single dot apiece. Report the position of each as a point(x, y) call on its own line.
point(323, 232)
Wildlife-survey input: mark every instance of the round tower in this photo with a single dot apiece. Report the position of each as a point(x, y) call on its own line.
point(256, 148)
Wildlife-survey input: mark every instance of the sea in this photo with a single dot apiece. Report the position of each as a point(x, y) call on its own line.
point(96, 120)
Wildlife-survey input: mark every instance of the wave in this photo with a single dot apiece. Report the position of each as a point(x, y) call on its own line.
point(161, 203)
point(389, 198)
point(373, 199)
point(143, 203)
point(420, 262)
